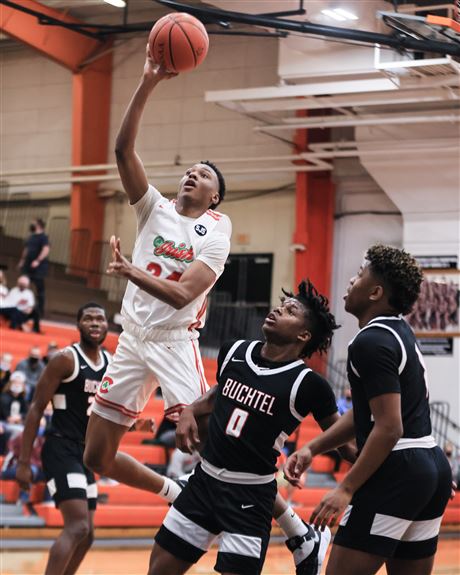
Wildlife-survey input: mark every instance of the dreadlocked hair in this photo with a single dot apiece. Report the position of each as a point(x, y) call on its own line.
point(220, 179)
point(321, 322)
point(400, 272)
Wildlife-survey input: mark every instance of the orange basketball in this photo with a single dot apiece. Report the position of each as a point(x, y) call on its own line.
point(179, 42)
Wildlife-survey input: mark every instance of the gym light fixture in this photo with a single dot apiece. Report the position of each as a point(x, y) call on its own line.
point(339, 14)
point(116, 3)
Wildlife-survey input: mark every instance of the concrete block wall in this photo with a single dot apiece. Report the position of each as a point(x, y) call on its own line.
point(36, 111)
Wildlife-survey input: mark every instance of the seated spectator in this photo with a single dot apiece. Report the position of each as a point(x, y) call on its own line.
point(13, 404)
point(52, 350)
point(3, 287)
point(32, 368)
point(5, 369)
point(12, 456)
point(18, 305)
point(344, 403)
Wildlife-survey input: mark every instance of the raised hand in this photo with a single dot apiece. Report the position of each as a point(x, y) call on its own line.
point(119, 266)
point(153, 71)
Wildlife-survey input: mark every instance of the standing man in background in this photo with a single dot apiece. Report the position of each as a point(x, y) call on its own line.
point(34, 264)
point(70, 381)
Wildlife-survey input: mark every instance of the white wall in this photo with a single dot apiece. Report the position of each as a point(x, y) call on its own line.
point(36, 111)
point(426, 188)
point(364, 216)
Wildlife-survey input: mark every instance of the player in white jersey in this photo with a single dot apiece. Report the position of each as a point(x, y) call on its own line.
point(180, 251)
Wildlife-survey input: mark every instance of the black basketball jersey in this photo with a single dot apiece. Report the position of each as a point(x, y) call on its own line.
point(73, 400)
point(258, 405)
point(384, 358)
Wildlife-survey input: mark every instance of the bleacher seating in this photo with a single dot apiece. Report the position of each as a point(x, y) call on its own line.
point(123, 506)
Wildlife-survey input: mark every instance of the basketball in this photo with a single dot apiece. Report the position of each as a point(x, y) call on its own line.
point(179, 42)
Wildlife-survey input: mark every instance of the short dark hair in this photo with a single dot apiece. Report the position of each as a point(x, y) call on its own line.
point(321, 322)
point(41, 222)
point(400, 273)
point(86, 306)
point(220, 179)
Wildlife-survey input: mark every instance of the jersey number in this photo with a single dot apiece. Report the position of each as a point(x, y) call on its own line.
point(155, 269)
point(91, 399)
point(236, 422)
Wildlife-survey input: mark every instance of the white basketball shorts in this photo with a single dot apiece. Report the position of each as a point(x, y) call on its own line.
point(139, 365)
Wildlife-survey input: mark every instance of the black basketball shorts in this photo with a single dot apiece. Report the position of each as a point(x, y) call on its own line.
point(66, 476)
point(238, 515)
point(398, 511)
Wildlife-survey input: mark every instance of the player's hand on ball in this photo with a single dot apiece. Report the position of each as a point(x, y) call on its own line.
point(24, 475)
point(296, 464)
point(154, 71)
point(119, 266)
point(187, 437)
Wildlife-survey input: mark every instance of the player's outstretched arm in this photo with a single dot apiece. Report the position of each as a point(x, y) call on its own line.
point(192, 283)
point(60, 367)
point(130, 167)
point(338, 434)
point(388, 428)
point(187, 436)
point(349, 450)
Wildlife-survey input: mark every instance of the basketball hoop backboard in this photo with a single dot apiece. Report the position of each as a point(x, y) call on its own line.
point(430, 27)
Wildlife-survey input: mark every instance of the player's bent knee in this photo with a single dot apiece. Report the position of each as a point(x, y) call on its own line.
point(79, 530)
point(95, 459)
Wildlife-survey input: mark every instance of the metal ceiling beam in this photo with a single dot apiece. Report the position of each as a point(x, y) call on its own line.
point(342, 122)
point(398, 41)
point(391, 98)
point(301, 90)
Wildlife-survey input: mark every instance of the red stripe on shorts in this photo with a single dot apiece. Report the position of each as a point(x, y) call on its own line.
point(198, 368)
point(117, 407)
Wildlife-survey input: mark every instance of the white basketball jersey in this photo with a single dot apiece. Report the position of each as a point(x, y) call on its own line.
point(166, 245)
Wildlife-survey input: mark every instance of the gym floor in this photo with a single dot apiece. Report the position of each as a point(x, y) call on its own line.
point(134, 561)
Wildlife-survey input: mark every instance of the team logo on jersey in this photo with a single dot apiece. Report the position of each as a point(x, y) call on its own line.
point(105, 385)
point(168, 249)
point(201, 230)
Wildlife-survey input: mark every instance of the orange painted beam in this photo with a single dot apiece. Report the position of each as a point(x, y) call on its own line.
point(90, 134)
point(64, 46)
point(315, 204)
point(314, 214)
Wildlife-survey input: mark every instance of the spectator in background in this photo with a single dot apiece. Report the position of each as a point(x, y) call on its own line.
point(12, 456)
point(18, 305)
point(52, 350)
point(32, 368)
point(345, 403)
point(34, 263)
point(3, 287)
point(13, 404)
point(5, 369)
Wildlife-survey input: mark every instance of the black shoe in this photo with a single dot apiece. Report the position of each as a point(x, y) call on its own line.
point(311, 563)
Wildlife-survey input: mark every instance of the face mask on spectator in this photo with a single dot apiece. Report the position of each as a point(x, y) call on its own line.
point(17, 388)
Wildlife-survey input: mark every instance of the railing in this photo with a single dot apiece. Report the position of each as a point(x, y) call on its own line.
point(227, 320)
point(444, 429)
point(18, 211)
